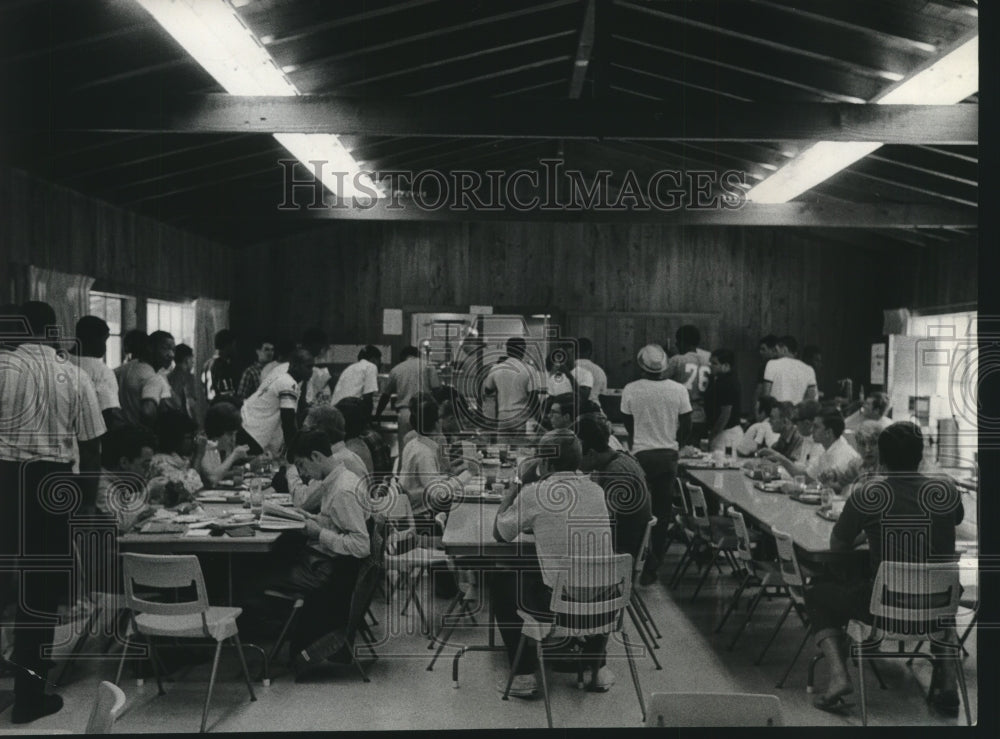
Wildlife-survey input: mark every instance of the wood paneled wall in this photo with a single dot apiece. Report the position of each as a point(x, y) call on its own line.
point(757, 280)
point(56, 228)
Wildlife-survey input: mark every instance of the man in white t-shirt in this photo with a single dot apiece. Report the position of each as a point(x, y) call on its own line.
point(657, 415)
point(315, 342)
point(92, 333)
point(268, 416)
point(360, 380)
point(585, 348)
point(874, 408)
point(691, 368)
point(144, 385)
point(838, 465)
point(788, 379)
point(516, 384)
point(412, 376)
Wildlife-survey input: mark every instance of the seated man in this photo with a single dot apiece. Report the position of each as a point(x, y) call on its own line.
point(873, 409)
point(789, 442)
point(324, 567)
point(804, 417)
point(759, 434)
point(623, 481)
point(540, 508)
point(126, 452)
point(891, 532)
point(424, 470)
point(836, 467)
point(307, 494)
point(222, 421)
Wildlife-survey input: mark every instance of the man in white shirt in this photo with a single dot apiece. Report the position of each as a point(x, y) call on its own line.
point(805, 415)
point(315, 342)
point(329, 420)
point(360, 380)
point(657, 415)
point(585, 348)
point(788, 379)
point(268, 416)
point(92, 333)
point(759, 434)
point(691, 368)
point(424, 470)
point(407, 379)
point(874, 408)
point(837, 466)
point(516, 385)
point(144, 385)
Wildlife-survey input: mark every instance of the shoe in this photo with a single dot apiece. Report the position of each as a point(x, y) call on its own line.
point(524, 686)
point(946, 703)
point(832, 704)
point(49, 704)
point(602, 681)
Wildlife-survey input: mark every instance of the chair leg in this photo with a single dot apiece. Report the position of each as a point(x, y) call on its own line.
point(642, 604)
point(284, 633)
point(746, 621)
point(211, 685)
point(121, 662)
point(917, 648)
point(635, 673)
point(681, 568)
point(802, 645)
point(733, 602)
point(960, 669)
point(369, 614)
point(812, 670)
point(545, 682)
point(642, 635)
point(642, 624)
point(861, 688)
point(243, 664)
point(704, 575)
point(444, 620)
point(357, 664)
point(774, 634)
point(156, 665)
point(513, 666)
point(878, 676)
point(441, 645)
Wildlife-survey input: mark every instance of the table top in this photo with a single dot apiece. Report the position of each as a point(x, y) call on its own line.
point(261, 541)
point(469, 533)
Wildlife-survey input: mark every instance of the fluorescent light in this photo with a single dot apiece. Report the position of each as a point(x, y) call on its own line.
point(213, 34)
point(770, 167)
point(946, 81)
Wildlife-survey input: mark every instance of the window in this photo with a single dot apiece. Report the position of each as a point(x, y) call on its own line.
point(111, 308)
point(174, 318)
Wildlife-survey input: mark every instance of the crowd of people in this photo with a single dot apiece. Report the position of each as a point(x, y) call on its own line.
point(150, 432)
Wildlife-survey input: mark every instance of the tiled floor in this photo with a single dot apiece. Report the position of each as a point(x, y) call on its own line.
point(402, 694)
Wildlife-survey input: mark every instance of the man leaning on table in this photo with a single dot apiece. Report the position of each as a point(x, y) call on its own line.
point(837, 466)
point(541, 508)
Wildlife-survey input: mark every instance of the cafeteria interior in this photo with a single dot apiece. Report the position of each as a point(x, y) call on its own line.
point(354, 429)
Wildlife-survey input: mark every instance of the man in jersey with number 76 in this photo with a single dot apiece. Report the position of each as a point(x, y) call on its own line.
point(690, 367)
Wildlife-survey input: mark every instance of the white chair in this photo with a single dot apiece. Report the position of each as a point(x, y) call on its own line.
point(711, 533)
point(107, 708)
point(714, 709)
point(637, 610)
point(592, 590)
point(191, 619)
point(795, 583)
point(463, 600)
point(911, 602)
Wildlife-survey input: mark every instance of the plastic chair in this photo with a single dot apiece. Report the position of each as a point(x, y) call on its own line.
point(795, 584)
point(910, 602)
point(637, 610)
point(463, 600)
point(714, 709)
point(192, 619)
point(107, 708)
point(593, 589)
point(761, 575)
point(708, 534)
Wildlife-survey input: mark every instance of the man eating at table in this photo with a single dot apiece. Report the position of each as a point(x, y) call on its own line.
point(541, 508)
point(837, 466)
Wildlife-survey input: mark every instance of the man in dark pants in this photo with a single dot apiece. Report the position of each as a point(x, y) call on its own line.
point(45, 403)
point(658, 420)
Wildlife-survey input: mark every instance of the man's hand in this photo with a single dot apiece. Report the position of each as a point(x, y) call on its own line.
point(312, 528)
point(241, 453)
point(200, 442)
point(767, 453)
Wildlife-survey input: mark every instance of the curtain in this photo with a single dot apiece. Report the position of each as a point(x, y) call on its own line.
point(210, 316)
point(68, 294)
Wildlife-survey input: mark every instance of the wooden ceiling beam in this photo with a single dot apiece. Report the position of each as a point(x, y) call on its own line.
point(584, 47)
point(491, 118)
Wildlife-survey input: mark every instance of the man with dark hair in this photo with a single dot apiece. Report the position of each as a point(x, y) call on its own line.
point(691, 368)
point(423, 464)
point(48, 405)
point(585, 349)
point(408, 378)
point(250, 380)
point(788, 379)
point(92, 334)
point(219, 375)
point(837, 466)
point(874, 408)
point(722, 402)
point(222, 453)
point(134, 346)
point(759, 434)
point(623, 482)
point(181, 379)
point(768, 349)
point(269, 415)
point(315, 341)
point(360, 380)
point(915, 524)
point(516, 385)
point(657, 415)
point(306, 494)
point(561, 531)
point(143, 383)
point(804, 416)
point(126, 454)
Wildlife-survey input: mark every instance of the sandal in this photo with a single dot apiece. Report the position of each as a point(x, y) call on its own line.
point(832, 704)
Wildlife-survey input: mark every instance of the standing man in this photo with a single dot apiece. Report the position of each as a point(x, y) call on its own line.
point(407, 379)
point(516, 385)
point(787, 379)
point(92, 333)
point(691, 368)
point(46, 404)
point(360, 380)
point(268, 416)
point(314, 341)
point(658, 420)
point(585, 348)
point(144, 384)
point(181, 380)
point(220, 375)
point(250, 380)
point(768, 348)
point(134, 345)
point(722, 402)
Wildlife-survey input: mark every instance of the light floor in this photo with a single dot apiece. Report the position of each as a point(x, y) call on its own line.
point(402, 694)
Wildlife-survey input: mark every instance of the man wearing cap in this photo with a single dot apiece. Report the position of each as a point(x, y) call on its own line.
point(658, 420)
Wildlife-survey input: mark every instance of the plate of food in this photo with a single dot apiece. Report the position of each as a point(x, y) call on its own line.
point(808, 498)
point(828, 514)
point(774, 486)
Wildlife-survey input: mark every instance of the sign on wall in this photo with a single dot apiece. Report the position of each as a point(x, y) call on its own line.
point(878, 364)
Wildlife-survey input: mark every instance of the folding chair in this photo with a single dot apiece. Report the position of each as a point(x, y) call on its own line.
point(107, 708)
point(709, 533)
point(637, 610)
point(714, 709)
point(462, 600)
point(192, 619)
point(910, 602)
point(795, 584)
point(591, 590)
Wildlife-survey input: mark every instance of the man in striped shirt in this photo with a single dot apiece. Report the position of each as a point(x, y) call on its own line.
point(250, 380)
point(46, 403)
